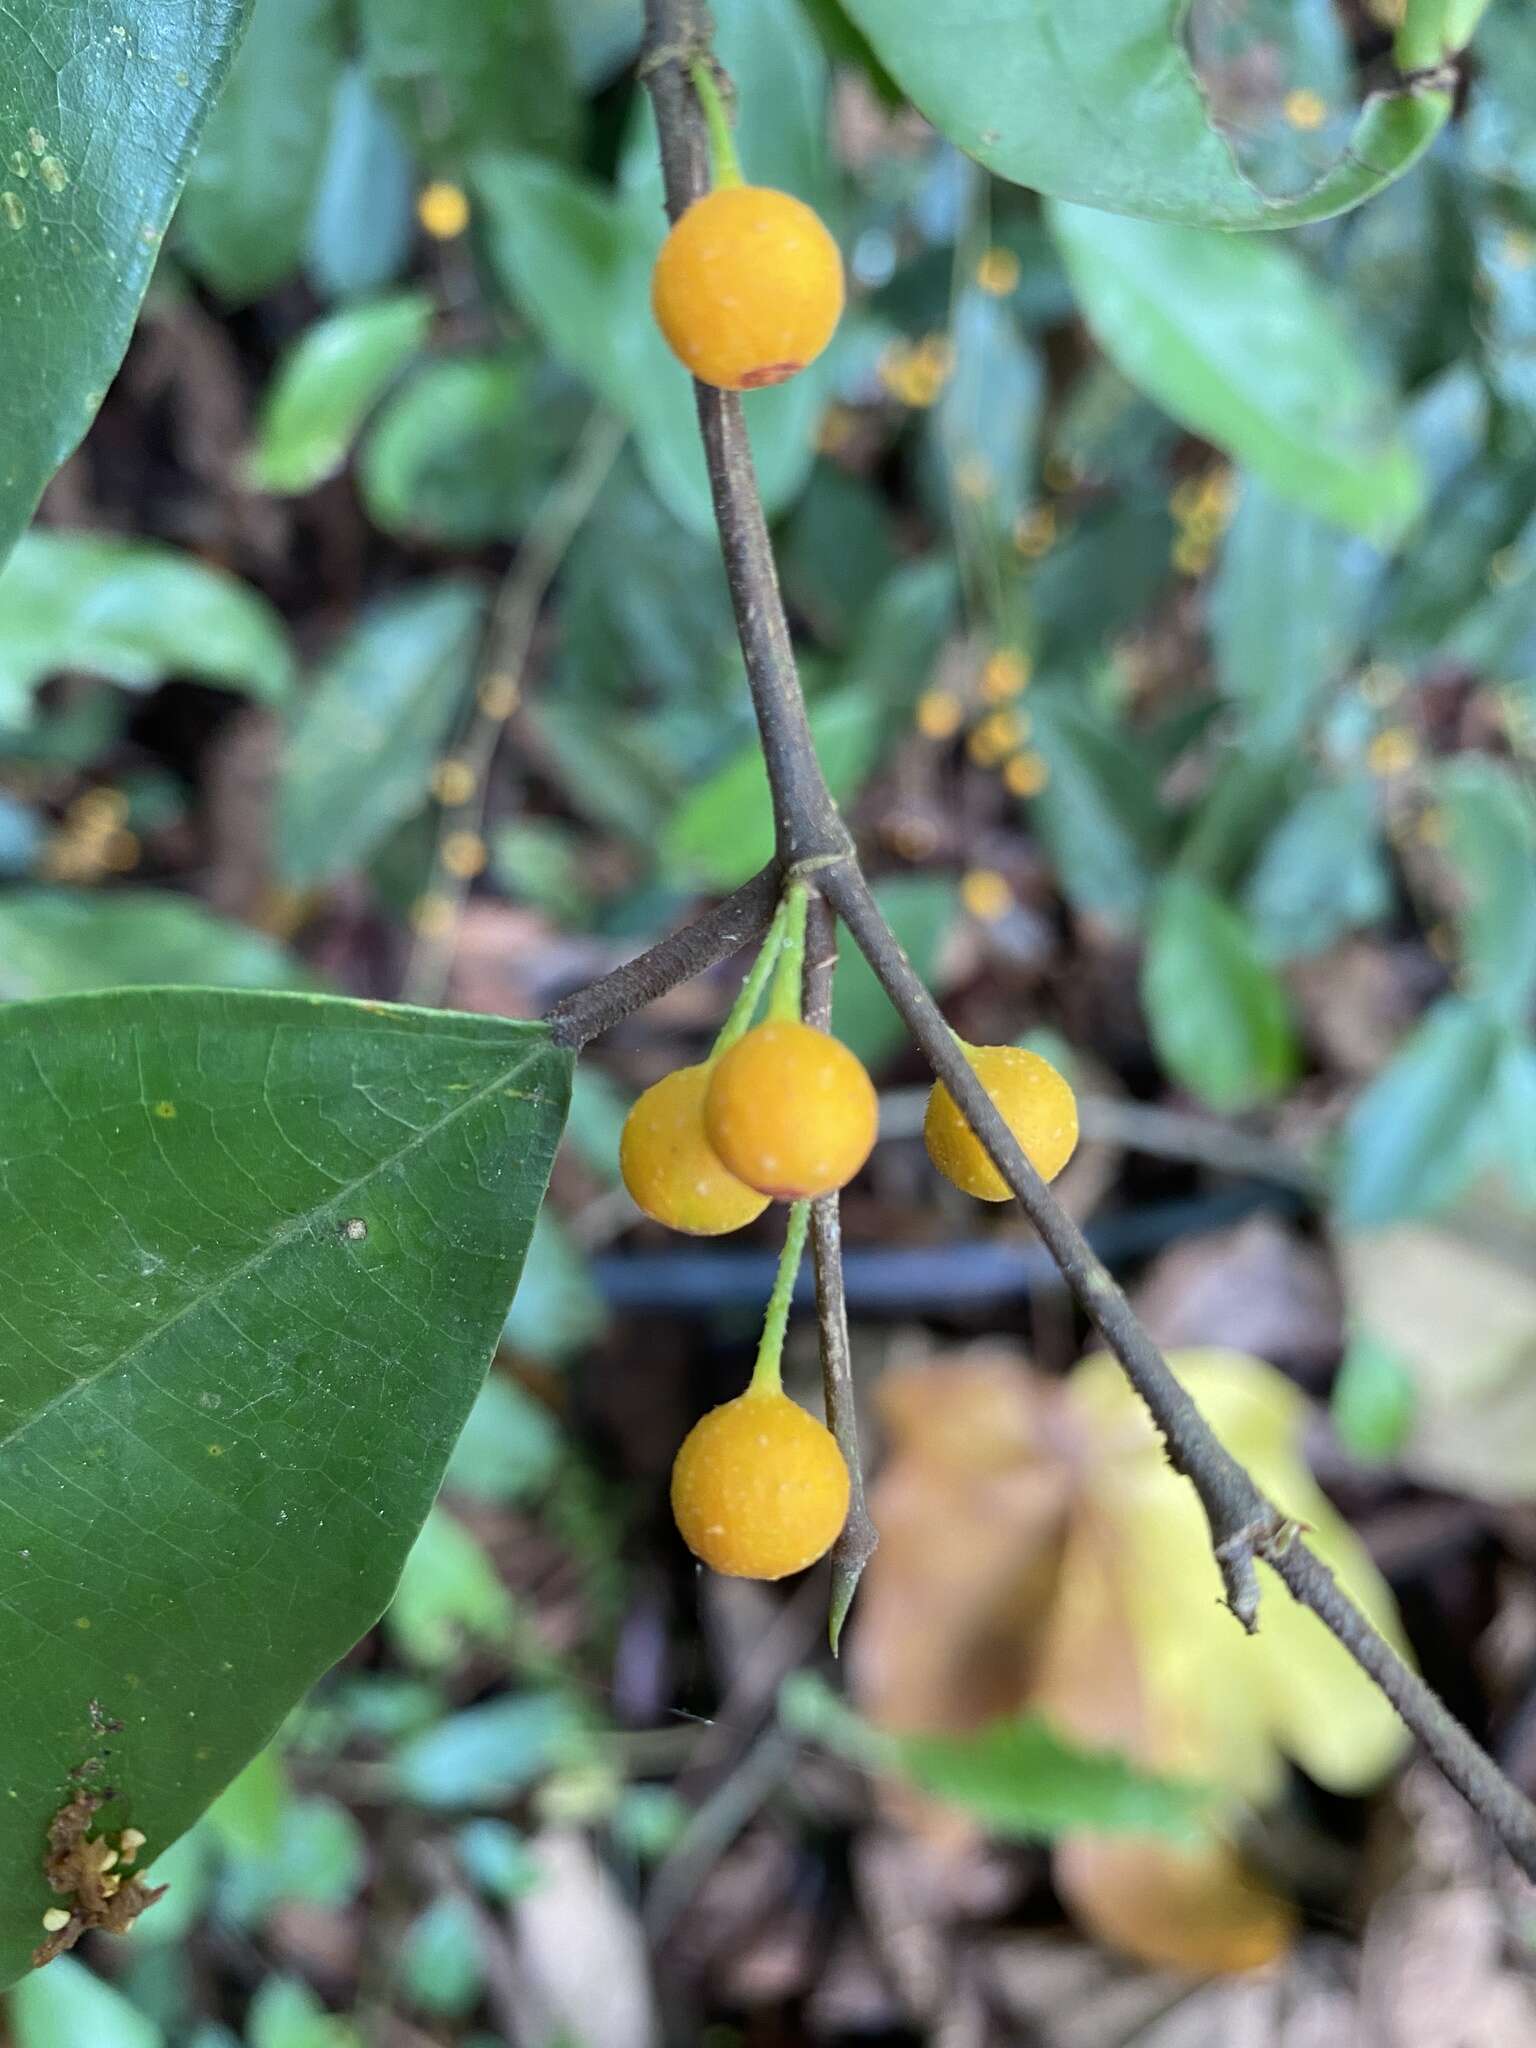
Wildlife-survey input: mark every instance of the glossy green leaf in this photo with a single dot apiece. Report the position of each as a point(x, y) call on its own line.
point(1219, 1018)
point(1321, 874)
point(134, 612)
point(988, 414)
point(66, 2006)
point(326, 386)
point(1099, 813)
point(1490, 826)
point(723, 833)
point(921, 911)
point(480, 74)
point(1096, 100)
point(488, 1754)
point(363, 220)
point(285, 2013)
point(247, 1817)
point(1500, 132)
point(1287, 611)
point(361, 751)
point(1417, 1135)
point(63, 942)
point(1515, 1115)
point(462, 451)
point(1017, 1778)
point(101, 104)
point(320, 1858)
point(261, 1290)
point(1373, 1400)
point(440, 1969)
point(558, 1310)
point(450, 1598)
point(246, 211)
point(510, 1446)
point(1239, 342)
point(1249, 791)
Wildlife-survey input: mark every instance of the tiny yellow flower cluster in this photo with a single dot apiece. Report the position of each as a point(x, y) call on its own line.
point(93, 839)
point(999, 737)
point(998, 272)
point(1201, 508)
point(915, 373)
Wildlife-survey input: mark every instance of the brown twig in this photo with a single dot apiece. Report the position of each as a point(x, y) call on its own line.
point(1244, 1525)
point(714, 937)
point(856, 1545)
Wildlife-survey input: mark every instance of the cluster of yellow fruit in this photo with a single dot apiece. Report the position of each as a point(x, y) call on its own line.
point(781, 1111)
point(748, 289)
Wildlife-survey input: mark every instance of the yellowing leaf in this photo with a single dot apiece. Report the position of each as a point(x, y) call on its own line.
point(1220, 1703)
point(1199, 1909)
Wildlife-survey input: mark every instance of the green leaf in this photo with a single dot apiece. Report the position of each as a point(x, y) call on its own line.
point(450, 1597)
point(362, 748)
point(1321, 874)
point(361, 225)
point(1416, 1136)
point(248, 1816)
point(1516, 1116)
point(326, 386)
point(320, 1859)
point(1239, 342)
point(1096, 100)
point(246, 210)
point(101, 104)
point(488, 1754)
point(920, 909)
point(462, 451)
point(285, 2013)
point(723, 832)
point(1099, 813)
point(440, 1967)
point(1219, 1018)
point(558, 1310)
point(510, 1448)
point(1017, 1778)
point(1490, 844)
point(66, 2006)
point(481, 74)
point(1373, 1401)
point(262, 1288)
point(63, 942)
point(1287, 612)
point(988, 415)
point(134, 612)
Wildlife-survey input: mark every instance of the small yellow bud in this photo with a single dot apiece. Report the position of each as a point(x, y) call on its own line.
point(986, 894)
point(55, 1920)
point(131, 1841)
point(1026, 774)
point(938, 714)
point(1305, 109)
point(1004, 674)
point(453, 782)
point(443, 210)
point(1392, 752)
point(432, 917)
point(499, 696)
point(998, 272)
point(1034, 532)
point(464, 855)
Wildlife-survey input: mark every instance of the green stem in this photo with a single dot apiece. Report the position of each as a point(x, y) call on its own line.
point(788, 982)
point(765, 1374)
point(744, 1009)
point(724, 162)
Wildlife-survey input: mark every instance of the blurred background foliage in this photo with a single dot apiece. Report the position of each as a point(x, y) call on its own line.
point(1167, 608)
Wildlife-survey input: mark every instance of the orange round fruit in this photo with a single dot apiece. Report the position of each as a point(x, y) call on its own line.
point(790, 1111)
point(670, 1167)
point(759, 1488)
point(1035, 1103)
point(748, 287)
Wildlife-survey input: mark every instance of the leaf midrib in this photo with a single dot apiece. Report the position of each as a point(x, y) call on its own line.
point(289, 1234)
